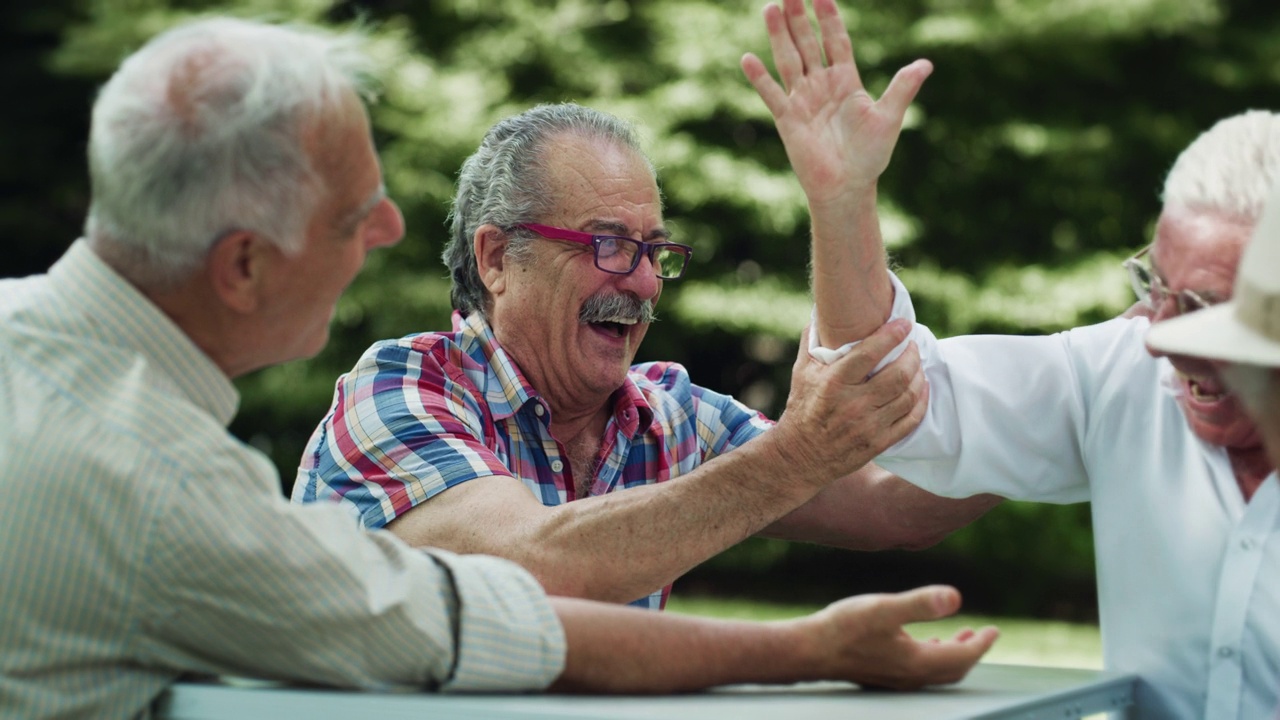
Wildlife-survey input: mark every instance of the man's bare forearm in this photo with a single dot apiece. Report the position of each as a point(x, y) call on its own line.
point(626, 650)
point(859, 639)
point(872, 509)
point(622, 545)
point(851, 285)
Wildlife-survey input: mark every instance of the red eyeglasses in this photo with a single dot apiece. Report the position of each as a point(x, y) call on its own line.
point(621, 255)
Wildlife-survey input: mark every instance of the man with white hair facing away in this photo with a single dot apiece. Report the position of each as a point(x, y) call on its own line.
point(1183, 495)
point(236, 191)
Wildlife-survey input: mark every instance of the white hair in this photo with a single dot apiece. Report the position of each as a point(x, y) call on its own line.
point(201, 132)
point(1230, 168)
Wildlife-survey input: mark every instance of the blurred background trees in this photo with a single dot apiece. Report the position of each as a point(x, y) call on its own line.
point(1030, 167)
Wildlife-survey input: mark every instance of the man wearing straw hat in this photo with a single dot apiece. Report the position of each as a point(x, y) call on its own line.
point(1241, 337)
point(1184, 499)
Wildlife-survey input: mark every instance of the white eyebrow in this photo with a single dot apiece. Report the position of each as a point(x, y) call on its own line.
point(359, 214)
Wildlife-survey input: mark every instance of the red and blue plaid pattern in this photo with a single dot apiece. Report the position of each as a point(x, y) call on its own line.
point(421, 414)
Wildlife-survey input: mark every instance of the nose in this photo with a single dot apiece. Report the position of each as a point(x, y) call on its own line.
point(643, 282)
point(385, 226)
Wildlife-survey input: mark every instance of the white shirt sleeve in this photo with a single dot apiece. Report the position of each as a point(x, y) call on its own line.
point(902, 308)
point(254, 585)
point(1012, 415)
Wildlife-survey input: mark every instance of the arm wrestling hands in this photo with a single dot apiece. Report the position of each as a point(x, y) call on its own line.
point(623, 545)
point(858, 639)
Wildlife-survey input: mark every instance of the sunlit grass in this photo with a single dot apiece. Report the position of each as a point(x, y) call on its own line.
point(1022, 642)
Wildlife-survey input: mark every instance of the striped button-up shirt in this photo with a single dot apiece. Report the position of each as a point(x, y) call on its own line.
point(421, 414)
point(141, 541)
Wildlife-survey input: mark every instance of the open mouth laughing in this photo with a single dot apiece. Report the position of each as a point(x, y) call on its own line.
point(615, 315)
point(614, 326)
point(1202, 389)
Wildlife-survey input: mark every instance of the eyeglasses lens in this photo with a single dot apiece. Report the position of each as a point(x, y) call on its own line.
point(669, 261)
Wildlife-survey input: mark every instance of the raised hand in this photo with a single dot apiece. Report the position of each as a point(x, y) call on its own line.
point(838, 138)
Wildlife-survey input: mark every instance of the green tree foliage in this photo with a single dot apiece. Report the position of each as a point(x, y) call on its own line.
point(1030, 167)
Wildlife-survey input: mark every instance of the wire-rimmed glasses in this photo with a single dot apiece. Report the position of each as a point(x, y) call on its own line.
point(1152, 290)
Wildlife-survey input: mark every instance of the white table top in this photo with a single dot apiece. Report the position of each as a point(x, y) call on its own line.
point(990, 691)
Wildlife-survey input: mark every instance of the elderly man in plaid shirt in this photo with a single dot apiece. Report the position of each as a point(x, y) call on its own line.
point(527, 433)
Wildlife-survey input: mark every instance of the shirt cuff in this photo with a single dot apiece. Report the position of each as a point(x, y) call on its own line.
point(506, 634)
point(902, 308)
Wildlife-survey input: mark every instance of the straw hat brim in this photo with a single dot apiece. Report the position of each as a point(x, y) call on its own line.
point(1214, 333)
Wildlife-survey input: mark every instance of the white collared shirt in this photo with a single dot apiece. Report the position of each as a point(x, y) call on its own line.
point(1188, 573)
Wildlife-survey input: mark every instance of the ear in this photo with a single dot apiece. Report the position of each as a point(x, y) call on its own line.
point(237, 268)
point(490, 245)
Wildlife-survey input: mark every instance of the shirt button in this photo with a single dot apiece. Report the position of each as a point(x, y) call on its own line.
point(1247, 543)
point(1225, 652)
point(539, 410)
point(557, 466)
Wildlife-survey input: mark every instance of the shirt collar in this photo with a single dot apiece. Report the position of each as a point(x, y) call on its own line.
point(507, 390)
point(125, 317)
point(631, 408)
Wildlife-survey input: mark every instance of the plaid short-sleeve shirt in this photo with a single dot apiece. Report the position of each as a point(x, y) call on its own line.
point(421, 414)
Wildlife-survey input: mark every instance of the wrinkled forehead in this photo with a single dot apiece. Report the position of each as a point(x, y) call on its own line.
point(591, 178)
point(1191, 243)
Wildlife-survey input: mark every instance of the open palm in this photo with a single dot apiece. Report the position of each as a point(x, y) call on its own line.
point(838, 138)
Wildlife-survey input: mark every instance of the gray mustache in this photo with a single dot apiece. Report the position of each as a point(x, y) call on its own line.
point(599, 308)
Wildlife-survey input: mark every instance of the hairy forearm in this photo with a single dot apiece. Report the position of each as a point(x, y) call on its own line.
point(858, 639)
point(662, 530)
point(623, 545)
point(613, 649)
point(850, 281)
point(872, 509)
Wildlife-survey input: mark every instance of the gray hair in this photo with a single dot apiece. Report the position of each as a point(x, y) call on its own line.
point(201, 132)
point(503, 184)
point(1230, 168)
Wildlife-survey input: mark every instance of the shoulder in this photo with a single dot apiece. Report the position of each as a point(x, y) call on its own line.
point(675, 398)
point(22, 296)
point(1089, 355)
point(668, 385)
point(1116, 339)
point(660, 376)
point(670, 382)
point(414, 363)
point(1111, 357)
point(124, 433)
